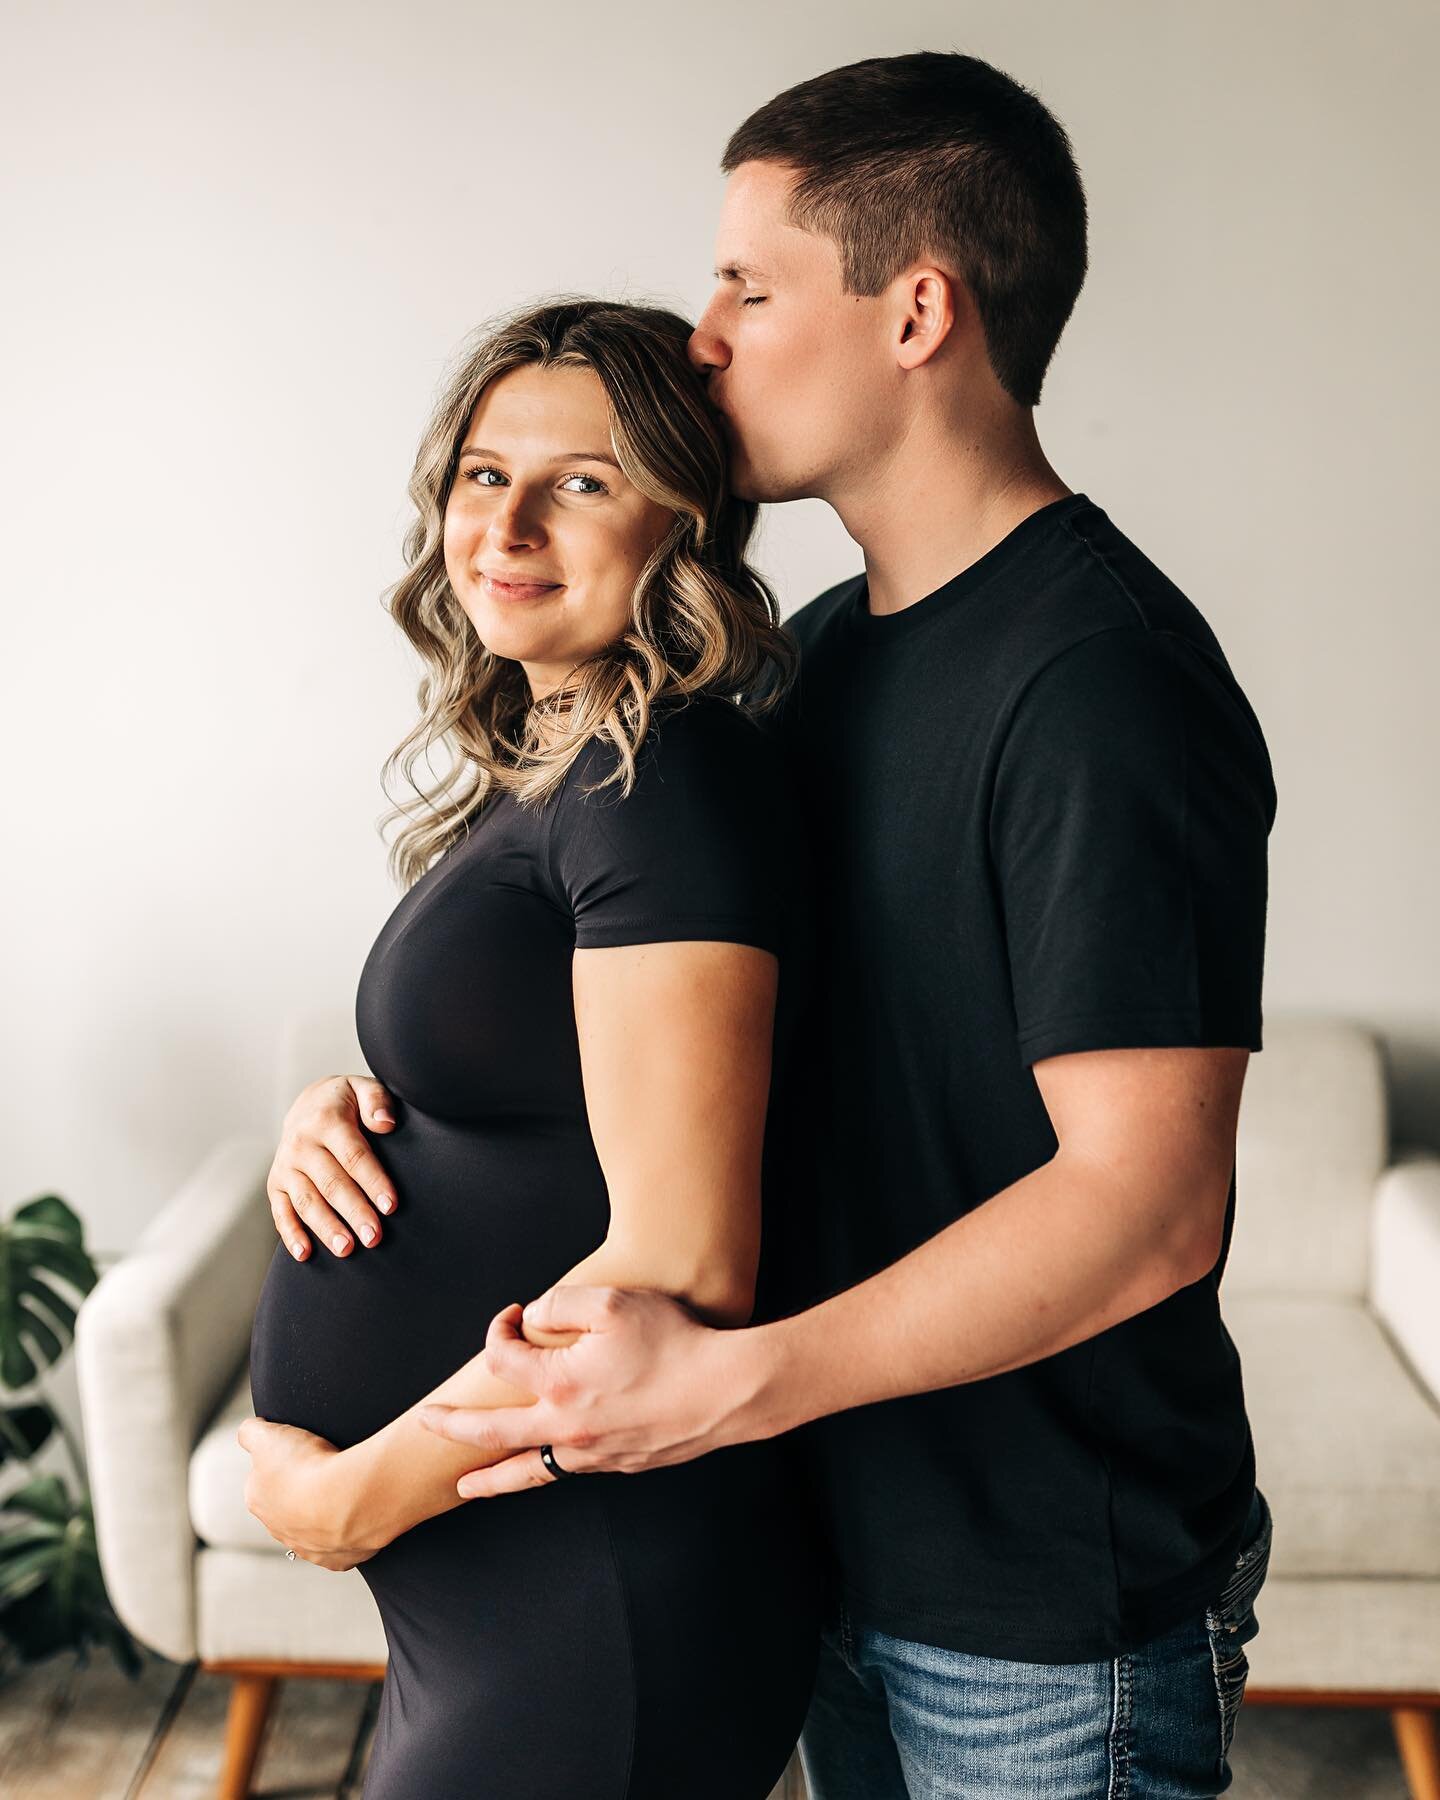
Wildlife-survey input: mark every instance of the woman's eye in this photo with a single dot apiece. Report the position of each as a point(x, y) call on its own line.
point(754, 300)
point(474, 473)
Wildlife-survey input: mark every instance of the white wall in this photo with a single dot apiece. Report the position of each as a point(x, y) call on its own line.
point(242, 242)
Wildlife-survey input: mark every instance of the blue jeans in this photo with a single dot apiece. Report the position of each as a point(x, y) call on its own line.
point(896, 1720)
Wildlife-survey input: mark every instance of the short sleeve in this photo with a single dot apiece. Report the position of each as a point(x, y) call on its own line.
point(697, 849)
point(1132, 804)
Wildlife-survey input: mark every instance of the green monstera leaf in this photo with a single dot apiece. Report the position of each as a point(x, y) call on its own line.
point(52, 1594)
point(52, 1591)
point(42, 1237)
point(24, 1431)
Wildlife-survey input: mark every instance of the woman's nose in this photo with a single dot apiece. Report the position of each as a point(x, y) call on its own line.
point(514, 521)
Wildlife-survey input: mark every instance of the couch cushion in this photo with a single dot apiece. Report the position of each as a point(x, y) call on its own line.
point(1312, 1142)
point(218, 1468)
point(1347, 1442)
point(256, 1608)
point(1358, 1637)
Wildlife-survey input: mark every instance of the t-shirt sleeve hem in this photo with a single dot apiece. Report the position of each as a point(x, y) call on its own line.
point(1137, 1031)
point(655, 928)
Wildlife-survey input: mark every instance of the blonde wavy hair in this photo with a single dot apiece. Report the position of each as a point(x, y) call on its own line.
point(701, 619)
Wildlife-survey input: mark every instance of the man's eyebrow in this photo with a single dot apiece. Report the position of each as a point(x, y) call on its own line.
point(564, 456)
point(739, 271)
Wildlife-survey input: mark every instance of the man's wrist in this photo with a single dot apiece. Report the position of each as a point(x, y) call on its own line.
point(760, 1376)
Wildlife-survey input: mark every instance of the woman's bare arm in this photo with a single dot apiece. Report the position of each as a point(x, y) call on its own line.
point(675, 1048)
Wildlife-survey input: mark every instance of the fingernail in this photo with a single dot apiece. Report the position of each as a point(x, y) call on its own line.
point(367, 1234)
point(386, 1202)
point(467, 1493)
point(385, 1118)
point(298, 1252)
point(342, 1243)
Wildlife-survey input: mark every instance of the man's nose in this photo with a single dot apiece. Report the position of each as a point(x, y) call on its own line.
point(706, 349)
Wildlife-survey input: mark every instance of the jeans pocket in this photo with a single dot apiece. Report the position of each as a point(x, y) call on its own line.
point(1230, 1622)
point(846, 1627)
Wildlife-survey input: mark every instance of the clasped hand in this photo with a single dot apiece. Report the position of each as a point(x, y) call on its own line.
point(645, 1384)
point(288, 1490)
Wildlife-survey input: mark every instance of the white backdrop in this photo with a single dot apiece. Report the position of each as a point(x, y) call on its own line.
point(242, 241)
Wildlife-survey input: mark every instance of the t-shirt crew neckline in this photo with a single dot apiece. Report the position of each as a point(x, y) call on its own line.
point(885, 626)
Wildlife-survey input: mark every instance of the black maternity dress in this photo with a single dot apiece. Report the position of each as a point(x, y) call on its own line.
point(606, 1637)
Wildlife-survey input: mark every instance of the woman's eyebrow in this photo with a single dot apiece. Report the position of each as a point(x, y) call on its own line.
point(563, 456)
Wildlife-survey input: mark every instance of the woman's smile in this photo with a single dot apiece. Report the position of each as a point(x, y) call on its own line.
point(498, 589)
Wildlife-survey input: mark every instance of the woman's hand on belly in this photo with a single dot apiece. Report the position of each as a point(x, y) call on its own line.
point(325, 1172)
point(298, 1489)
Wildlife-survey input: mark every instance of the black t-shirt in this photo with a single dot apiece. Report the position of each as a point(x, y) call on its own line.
point(1039, 805)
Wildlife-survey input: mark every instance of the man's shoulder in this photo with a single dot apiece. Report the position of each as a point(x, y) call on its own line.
point(1093, 586)
point(811, 628)
point(1116, 647)
point(810, 622)
point(1137, 589)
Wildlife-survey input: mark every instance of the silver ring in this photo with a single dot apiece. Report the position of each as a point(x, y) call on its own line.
point(290, 1555)
point(547, 1456)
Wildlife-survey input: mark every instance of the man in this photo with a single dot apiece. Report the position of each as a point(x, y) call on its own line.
point(1041, 805)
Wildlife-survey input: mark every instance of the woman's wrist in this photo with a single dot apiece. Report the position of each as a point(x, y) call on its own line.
point(356, 1519)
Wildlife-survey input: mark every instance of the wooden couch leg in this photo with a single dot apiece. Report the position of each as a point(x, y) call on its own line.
point(1419, 1750)
point(791, 1785)
point(250, 1701)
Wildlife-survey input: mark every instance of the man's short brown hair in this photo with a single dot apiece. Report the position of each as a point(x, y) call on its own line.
point(940, 155)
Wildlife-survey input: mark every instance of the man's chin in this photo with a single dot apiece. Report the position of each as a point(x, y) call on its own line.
point(747, 484)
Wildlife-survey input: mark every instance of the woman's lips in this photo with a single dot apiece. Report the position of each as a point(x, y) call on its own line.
point(517, 590)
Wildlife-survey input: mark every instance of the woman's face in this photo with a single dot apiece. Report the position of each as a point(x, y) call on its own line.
point(539, 502)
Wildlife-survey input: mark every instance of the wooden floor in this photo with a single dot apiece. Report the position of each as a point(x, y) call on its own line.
point(90, 1734)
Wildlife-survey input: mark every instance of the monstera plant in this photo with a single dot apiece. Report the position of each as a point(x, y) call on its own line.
point(52, 1595)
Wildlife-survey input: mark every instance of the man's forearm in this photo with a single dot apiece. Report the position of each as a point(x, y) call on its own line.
point(1056, 1258)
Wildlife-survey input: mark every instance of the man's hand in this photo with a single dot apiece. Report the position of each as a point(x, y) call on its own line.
point(645, 1384)
point(293, 1491)
point(325, 1171)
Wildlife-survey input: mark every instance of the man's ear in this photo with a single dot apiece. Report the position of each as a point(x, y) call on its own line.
point(931, 302)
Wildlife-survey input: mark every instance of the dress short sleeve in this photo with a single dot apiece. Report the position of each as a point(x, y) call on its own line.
point(1132, 804)
point(697, 849)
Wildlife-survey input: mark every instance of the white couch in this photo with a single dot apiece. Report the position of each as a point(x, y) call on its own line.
point(1330, 1293)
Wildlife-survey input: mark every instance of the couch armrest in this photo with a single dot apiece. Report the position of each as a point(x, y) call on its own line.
point(1405, 1261)
point(158, 1340)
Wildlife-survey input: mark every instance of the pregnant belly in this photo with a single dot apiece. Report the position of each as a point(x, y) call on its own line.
point(342, 1345)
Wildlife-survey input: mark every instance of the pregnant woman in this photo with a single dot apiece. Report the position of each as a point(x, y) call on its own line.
point(584, 1004)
